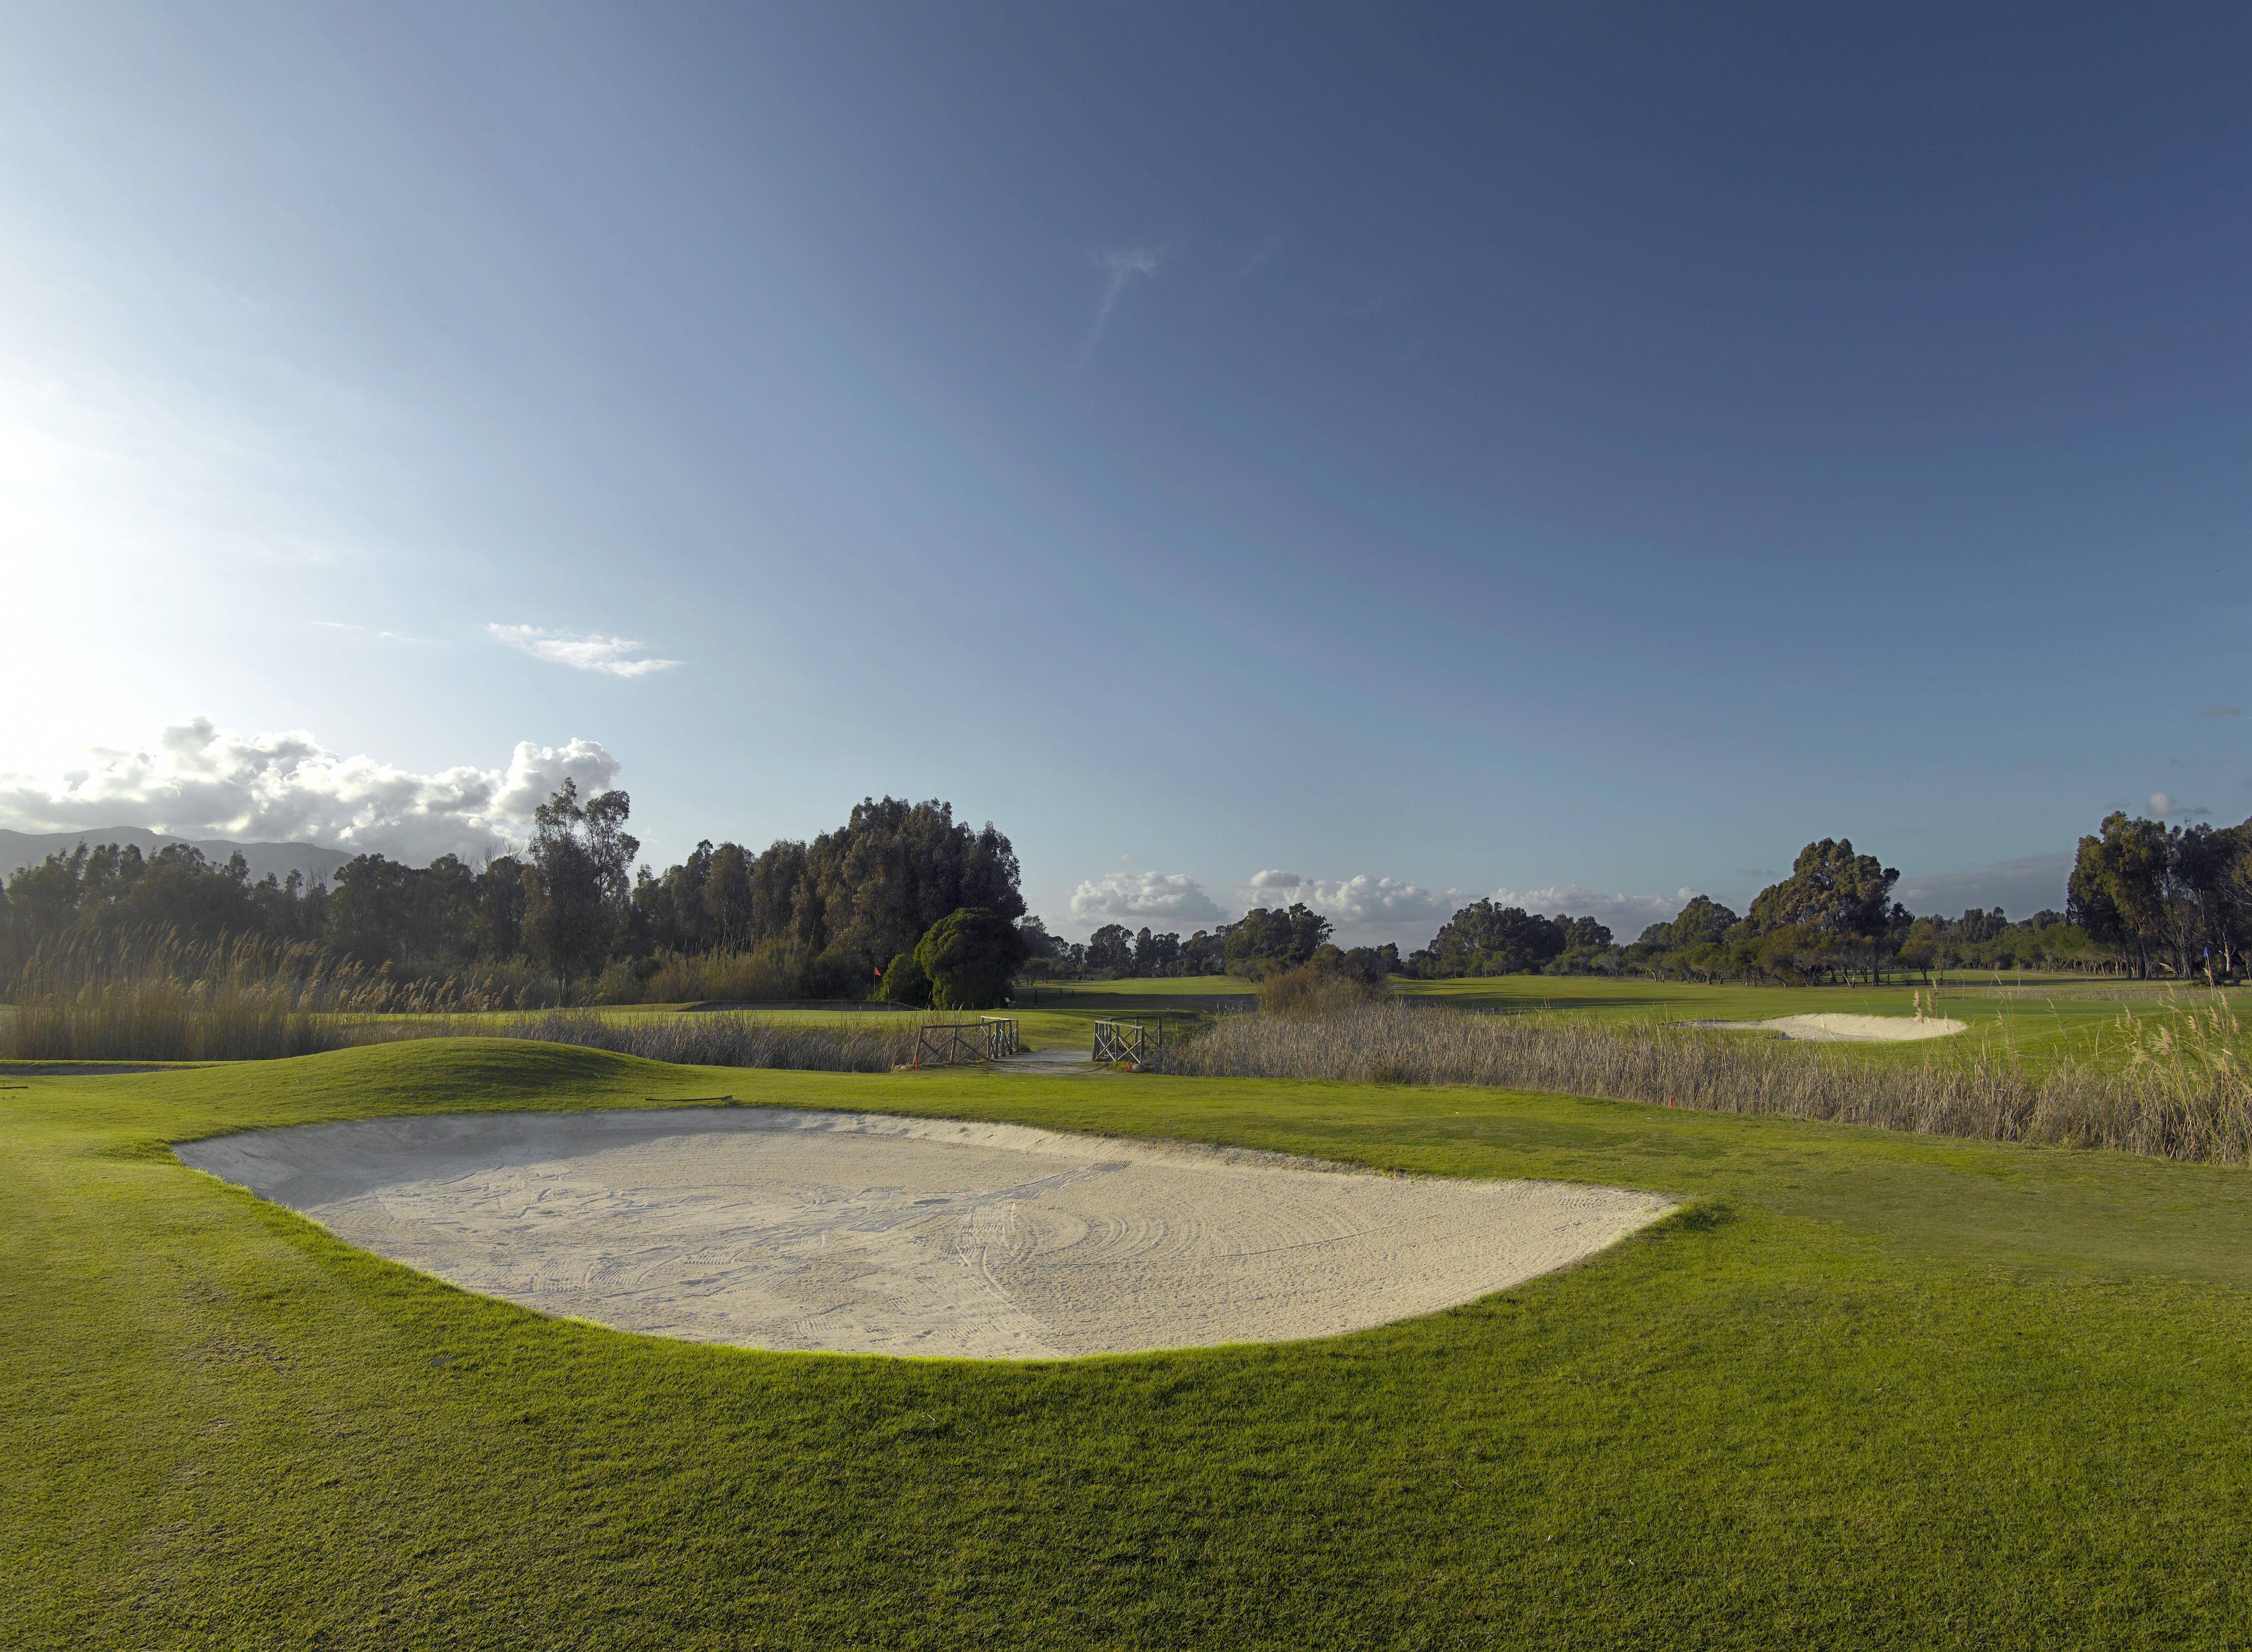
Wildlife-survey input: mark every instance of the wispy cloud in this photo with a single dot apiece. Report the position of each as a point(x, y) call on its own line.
point(1120, 268)
point(2224, 711)
point(589, 651)
point(369, 632)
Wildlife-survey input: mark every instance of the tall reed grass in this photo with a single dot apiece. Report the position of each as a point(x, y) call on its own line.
point(1307, 992)
point(2161, 992)
point(773, 971)
point(142, 995)
point(725, 1039)
point(2184, 1090)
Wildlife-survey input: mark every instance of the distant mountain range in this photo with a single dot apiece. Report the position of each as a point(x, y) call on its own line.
point(29, 849)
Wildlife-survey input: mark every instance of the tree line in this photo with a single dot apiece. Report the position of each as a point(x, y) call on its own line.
point(2144, 900)
point(848, 914)
point(1832, 918)
point(803, 920)
point(2171, 899)
point(1264, 942)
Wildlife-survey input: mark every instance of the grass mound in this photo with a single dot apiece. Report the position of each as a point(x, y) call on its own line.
point(422, 1075)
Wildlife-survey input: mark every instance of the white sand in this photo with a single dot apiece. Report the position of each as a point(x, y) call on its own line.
point(1847, 1028)
point(774, 1228)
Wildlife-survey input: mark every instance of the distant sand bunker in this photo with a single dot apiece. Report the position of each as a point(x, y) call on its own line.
point(1845, 1029)
point(774, 1228)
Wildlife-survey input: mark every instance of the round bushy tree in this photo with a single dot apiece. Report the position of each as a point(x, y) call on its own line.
point(905, 983)
point(970, 956)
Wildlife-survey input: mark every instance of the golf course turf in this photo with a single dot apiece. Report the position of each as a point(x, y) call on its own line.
point(1866, 1390)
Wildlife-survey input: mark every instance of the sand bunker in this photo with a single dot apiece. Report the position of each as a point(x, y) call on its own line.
point(774, 1228)
point(1845, 1029)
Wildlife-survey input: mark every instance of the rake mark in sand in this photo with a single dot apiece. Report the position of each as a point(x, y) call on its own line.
point(862, 1232)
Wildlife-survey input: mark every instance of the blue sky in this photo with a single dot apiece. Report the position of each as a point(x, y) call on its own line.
point(1580, 453)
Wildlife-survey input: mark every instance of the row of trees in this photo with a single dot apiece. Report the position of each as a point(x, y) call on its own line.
point(1264, 942)
point(2144, 898)
point(2166, 900)
point(1833, 919)
point(1485, 940)
point(845, 903)
point(819, 919)
point(864, 905)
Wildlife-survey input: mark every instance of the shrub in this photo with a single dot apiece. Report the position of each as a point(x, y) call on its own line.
point(1312, 989)
point(775, 971)
point(970, 956)
point(619, 983)
point(905, 983)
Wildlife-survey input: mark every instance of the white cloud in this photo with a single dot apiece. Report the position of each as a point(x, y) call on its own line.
point(1354, 904)
point(588, 652)
point(1625, 916)
point(1361, 900)
point(2164, 806)
point(1367, 910)
point(203, 781)
point(1146, 897)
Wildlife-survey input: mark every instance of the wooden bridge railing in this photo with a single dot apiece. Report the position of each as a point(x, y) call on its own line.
point(1129, 1041)
point(944, 1043)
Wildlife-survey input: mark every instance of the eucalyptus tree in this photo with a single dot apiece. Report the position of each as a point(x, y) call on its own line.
point(577, 889)
point(2124, 891)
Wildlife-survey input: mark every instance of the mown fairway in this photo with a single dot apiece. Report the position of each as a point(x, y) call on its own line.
point(1868, 1391)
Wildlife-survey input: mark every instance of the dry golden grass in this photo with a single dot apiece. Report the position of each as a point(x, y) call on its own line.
point(152, 996)
point(723, 1038)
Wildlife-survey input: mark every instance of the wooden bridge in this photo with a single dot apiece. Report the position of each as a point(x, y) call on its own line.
point(945, 1044)
point(1129, 1041)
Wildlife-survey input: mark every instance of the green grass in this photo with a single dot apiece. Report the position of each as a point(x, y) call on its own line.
point(1868, 1391)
